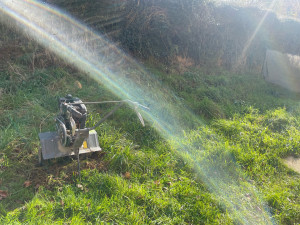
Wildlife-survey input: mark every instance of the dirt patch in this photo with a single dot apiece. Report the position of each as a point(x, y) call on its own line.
point(60, 171)
point(293, 163)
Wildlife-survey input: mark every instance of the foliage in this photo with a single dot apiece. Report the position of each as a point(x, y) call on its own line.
point(140, 178)
point(235, 38)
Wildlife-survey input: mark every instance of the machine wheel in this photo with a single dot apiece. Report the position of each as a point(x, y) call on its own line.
point(62, 133)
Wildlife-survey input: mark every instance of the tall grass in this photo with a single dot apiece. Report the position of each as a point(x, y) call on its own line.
point(139, 178)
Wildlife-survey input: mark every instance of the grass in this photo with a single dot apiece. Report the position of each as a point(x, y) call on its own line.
point(257, 143)
point(140, 178)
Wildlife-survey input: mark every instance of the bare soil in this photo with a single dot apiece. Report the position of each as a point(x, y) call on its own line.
point(293, 163)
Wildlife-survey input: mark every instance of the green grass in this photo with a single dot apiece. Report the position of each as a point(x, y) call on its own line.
point(256, 143)
point(220, 94)
point(141, 178)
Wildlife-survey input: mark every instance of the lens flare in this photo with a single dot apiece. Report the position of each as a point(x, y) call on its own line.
point(242, 57)
point(106, 63)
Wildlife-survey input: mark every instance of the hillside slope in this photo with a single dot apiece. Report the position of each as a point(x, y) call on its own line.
point(140, 178)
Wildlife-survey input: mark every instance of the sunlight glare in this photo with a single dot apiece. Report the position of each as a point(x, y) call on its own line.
point(100, 59)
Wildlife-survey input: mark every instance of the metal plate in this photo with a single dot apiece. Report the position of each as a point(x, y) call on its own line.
point(52, 148)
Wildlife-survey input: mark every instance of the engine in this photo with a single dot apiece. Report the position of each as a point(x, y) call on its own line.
point(72, 116)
